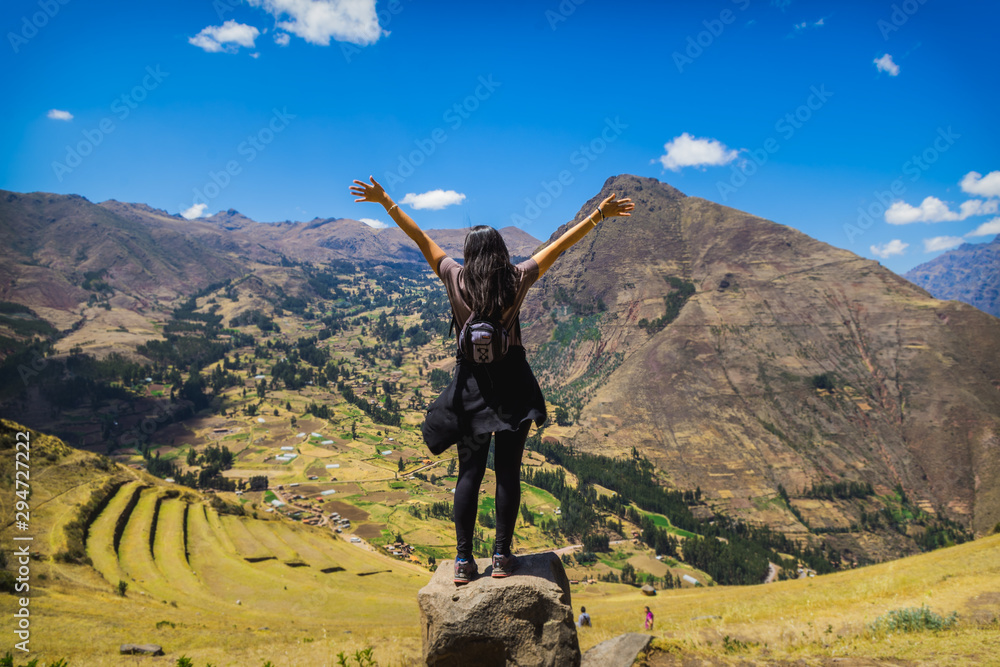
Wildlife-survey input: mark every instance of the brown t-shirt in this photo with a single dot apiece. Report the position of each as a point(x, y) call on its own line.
point(452, 274)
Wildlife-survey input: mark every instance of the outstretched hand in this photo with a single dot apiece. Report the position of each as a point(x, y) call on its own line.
point(373, 193)
point(612, 207)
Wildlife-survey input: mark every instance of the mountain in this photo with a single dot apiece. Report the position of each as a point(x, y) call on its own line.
point(318, 240)
point(969, 273)
point(63, 251)
point(788, 363)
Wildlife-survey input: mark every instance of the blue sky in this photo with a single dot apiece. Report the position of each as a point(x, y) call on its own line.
point(868, 125)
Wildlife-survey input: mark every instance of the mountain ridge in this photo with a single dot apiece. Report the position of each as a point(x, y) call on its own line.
point(148, 254)
point(969, 273)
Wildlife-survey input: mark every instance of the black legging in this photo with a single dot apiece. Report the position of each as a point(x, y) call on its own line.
point(472, 454)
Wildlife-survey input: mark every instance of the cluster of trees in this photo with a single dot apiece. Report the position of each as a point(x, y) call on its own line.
point(254, 316)
point(631, 478)
point(257, 483)
point(182, 351)
point(730, 551)
point(839, 490)
point(629, 575)
point(213, 455)
point(577, 516)
point(378, 414)
point(673, 301)
point(318, 410)
point(213, 461)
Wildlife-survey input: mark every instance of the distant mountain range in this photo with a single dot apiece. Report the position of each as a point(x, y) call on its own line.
point(969, 273)
point(52, 243)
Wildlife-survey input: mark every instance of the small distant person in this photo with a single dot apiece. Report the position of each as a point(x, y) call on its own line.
point(649, 619)
point(584, 620)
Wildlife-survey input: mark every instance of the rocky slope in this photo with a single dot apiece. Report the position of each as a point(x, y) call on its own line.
point(969, 273)
point(793, 362)
point(54, 244)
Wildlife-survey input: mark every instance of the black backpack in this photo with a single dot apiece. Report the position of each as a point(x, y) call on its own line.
point(483, 340)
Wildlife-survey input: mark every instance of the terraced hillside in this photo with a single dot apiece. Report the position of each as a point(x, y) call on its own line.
point(183, 552)
point(220, 588)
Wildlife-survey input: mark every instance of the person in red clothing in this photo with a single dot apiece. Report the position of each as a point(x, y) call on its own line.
point(499, 400)
point(649, 619)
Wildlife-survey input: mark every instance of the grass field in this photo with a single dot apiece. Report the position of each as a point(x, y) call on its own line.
point(196, 594)
point(821, 617)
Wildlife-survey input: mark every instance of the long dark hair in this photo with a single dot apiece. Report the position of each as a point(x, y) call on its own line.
point(490, 278)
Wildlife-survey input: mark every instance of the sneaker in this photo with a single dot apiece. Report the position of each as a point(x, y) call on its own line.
point(503, 566)
point(465, 570)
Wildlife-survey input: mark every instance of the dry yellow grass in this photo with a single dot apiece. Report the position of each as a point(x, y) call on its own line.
point(302, 616)
point(823, 617)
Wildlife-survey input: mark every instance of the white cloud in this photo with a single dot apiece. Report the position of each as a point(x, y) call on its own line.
point(58, 114)
point(933, 209)
point(282, 38)
point(942, 243)
point(977, 207)
point(885, 64)
point(887, 250)
point(987, 228)
point(196, 211)
point(316, 21)
point(228, 37)
point(434, 199)
point(688, 151)
point(372, 222)
point(985, 186)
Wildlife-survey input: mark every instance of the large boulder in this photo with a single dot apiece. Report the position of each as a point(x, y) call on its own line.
point(524, 619)
point(618, 652)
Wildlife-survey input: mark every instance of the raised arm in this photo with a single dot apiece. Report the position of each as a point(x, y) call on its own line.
point(375, 193)
point(608, 208)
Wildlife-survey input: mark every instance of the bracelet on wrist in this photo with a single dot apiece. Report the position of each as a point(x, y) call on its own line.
point(601, 212)
point(391, 207)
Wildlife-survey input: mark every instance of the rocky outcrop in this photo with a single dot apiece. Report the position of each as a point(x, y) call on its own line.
point(525, 619)
point(140, 649)
point(618, 652)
